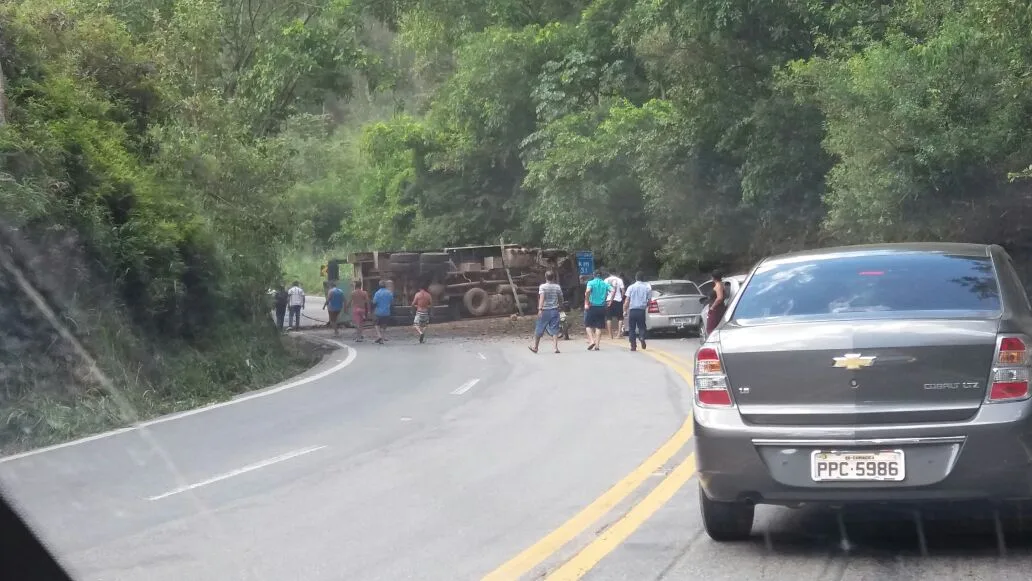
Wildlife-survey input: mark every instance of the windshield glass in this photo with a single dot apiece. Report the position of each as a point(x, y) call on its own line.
point(674, 288)
point(852, 286)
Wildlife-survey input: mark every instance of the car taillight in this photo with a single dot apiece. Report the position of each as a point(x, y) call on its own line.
point(1010, 376)
point(710, 381)
point(653, 307)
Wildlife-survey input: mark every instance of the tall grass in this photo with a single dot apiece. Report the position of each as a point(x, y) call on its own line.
point(304, 265)
point(169, 379)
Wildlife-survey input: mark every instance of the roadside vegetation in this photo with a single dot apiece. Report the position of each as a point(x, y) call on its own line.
point(164, 163)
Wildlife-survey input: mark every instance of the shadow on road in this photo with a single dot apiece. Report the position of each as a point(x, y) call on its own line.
point(954, 531)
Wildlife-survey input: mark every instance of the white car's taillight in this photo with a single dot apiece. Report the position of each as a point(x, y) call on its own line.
point(711, 388)
point(653, 307)
point(1009, 380)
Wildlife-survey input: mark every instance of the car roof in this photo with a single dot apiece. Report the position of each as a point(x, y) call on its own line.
point(671, 281)
point(956, 248)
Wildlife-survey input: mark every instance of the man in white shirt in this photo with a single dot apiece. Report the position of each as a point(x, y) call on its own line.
point(614, 304)
point(296, 302)
point(637, 301)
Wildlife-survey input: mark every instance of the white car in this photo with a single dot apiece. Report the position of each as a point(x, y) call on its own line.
point(732, 284)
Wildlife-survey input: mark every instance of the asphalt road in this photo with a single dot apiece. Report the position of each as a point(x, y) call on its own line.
point(447, 461)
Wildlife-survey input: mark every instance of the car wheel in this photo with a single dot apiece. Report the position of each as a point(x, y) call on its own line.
point(726, 521)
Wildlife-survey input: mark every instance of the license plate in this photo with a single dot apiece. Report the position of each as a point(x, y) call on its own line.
point(682, 321)
point(857, 466)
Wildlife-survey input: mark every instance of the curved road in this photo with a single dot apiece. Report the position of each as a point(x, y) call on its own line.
point(451, 461)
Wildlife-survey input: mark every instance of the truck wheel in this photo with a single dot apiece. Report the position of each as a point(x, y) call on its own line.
point(434, 257)
point(402, 267)
point(477, 302)
point(726, 521)
point(433, 269)
point(499, 305)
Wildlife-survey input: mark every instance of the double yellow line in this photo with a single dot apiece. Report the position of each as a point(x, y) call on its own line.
point(620, 530)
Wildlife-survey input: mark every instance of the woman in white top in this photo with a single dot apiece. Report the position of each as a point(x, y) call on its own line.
point(614, 304)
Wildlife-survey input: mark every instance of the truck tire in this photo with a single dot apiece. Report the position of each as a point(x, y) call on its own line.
point(499, 306)
point(477, 302)
point(403, 257)
point(433, 268)
point(440, 314)
point(434, 257)
point(402, 267)
point(505, 289)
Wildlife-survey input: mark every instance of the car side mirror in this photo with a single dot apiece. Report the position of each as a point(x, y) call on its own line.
point(703, 300)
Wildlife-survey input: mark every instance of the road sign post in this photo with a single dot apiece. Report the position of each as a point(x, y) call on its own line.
point(585, 262)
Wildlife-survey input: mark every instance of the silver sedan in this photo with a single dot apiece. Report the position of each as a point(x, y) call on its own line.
point(674, 306)
point(893, 373)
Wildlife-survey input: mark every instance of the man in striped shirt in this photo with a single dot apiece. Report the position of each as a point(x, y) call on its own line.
point(550, 298)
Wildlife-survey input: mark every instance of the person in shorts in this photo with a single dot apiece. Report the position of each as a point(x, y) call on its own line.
point(595, 297)
point(550, 297)
point(359, 308)
point(383, 298)
point(614, 305)
point(334, 305)
point(421, 303)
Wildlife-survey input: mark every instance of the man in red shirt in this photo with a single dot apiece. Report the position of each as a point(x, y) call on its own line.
point(422, 303)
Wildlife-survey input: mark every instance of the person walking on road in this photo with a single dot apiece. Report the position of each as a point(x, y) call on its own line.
point(550, 297)
point(280, 303)
point(614, 304)
point(296, 301)
point(359, 302)
point(334, 305)
point(595, 299)
point(422, 303)
point(383, 298)
point(635, 304)
point(717, 306)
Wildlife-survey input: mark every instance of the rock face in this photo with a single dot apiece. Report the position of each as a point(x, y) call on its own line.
point(42, 376)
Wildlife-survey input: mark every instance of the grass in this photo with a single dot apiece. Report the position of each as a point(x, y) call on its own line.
point(168, 380)
point(304, 266)
point(50, 394)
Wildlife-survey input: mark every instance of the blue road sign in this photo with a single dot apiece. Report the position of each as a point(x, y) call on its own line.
point(585, 262)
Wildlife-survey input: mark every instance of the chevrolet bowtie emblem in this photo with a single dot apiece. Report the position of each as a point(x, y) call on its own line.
point(854, 361)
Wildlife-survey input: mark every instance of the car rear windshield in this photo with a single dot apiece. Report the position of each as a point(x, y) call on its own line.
point(674, 288)
point(870, 285)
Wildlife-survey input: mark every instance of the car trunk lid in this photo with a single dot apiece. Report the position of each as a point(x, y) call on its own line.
point(859, 372)
point(679, 305)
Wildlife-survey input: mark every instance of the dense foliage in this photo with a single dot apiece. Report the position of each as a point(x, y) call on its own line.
point(689, 133)
point(177, 150)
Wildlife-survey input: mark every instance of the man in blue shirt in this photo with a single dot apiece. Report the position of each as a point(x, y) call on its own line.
point(635, 303)
point(334, 305)
point(595, 299)
point(382, 301)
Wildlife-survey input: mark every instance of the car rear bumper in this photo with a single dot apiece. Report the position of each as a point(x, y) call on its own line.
point(654, 322)
point(988, 458)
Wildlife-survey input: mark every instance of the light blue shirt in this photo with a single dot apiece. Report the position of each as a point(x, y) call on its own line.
point(598, 290)
point(382, 300)
point(638, 295)
point(335, 299)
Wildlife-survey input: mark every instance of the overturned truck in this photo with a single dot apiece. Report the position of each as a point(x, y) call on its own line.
point(471, 281)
